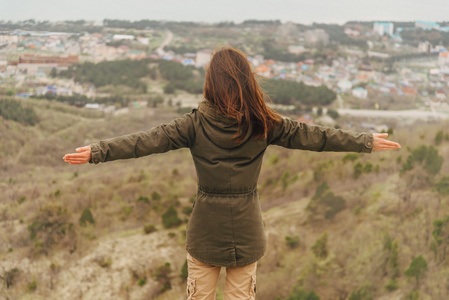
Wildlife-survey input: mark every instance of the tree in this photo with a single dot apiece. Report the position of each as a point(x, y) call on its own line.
point(442, 186)
point(300, 293)
point(438, 137)
point(86, 217)
point(184, 271)
point(417, 268)
point(320, 247)
point(440, 235)
point(170, 218)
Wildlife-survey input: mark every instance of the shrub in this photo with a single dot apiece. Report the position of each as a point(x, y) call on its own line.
point(156, 196)
point(320, 247)
point(142, 281)
point(427, 156)
point(326, 202)
point(32, 286)
point(358, 168)
point(187, 210)
point(170, 88)
point(162, 276)
point(292, 241)
point(361, 294)
point(438, 137)
point(149, 229)
point(333, 113)
point(417, 268)
point(350, 156)
point(184, 271)
point(21, 199)
point(10, 277)
point(143, 199)
point(86, 217)
point(368, 167)
point(170, 218)
point(442, 186)
point(392, 285)
point(13, 110)
point(300, 293)
point(51, 226)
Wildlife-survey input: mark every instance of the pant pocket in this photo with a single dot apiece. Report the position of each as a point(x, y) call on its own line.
point(191, 287)
point(252, 290)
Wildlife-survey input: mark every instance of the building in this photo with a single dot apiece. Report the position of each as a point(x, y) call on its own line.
point(443, 60)
point(360, 92)
point(425, 47)
point(382, 28)
point(427, 25)
point(344, 85)
point(203, 57)
point(67, 60)
point(313, 37)
point(122, 37)
point(8, 39)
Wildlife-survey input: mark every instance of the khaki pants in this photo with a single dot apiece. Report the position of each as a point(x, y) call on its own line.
point(203, 278)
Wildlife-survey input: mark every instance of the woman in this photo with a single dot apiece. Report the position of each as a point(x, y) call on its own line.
point(227, 136)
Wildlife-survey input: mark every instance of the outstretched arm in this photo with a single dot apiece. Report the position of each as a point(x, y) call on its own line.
point(295, 135)
point(178, 134)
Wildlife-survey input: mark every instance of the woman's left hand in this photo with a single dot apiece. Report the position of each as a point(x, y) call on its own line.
point(380, 143)
point(82, 157)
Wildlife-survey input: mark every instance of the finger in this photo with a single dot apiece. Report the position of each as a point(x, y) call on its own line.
point(390, 143)
point(77, 159)
point(381, 135)
point(76, 155)
point(76, 163)
point(82, 149)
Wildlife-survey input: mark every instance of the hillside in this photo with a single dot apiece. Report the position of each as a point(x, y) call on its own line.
point(343, 226)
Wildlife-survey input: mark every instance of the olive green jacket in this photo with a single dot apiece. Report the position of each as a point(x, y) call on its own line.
point(226, 227)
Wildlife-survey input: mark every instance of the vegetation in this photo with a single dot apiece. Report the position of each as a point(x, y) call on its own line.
point(119, 72)
point(296, 93)
point(184, 271)
point(325, 202)
point(13, 110)
point(327, 266)
point(417, 269)
point(86, 217)
point(170, 218)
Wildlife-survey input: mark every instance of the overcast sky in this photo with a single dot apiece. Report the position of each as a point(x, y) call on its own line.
point(298, 11)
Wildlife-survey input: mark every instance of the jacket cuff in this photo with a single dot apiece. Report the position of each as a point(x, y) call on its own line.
point(95, 154)
point(368, 145)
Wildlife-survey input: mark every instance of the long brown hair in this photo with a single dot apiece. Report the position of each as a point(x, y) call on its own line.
point(231, 85)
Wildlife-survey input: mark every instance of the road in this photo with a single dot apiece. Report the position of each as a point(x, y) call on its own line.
point(394, 114)
point(160, 50)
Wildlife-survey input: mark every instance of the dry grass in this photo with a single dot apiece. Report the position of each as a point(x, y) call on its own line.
point(34, 176)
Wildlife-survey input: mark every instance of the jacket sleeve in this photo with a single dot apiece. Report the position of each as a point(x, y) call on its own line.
point(178, 134)
point(295, 135)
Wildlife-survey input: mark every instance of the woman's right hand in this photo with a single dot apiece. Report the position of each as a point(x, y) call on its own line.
point(82, 157)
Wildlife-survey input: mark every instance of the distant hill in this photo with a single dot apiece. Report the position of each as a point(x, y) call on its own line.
point(339, 225)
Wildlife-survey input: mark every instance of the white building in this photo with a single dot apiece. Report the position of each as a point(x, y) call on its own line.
point(443, 60)
point(8, 39)
point(360, 92)
point(425, 47)
point(427, 25)
point(122, 37)
point(383, 27)
point(316, 36)
point(344, 85)
point(203, 57)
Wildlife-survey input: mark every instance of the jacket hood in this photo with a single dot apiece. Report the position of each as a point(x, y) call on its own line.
point(219, 128)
